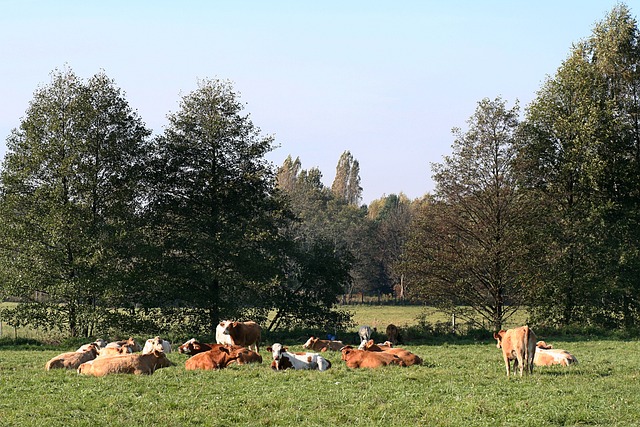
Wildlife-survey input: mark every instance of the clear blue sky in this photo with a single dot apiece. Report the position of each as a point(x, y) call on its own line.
point(386, 80)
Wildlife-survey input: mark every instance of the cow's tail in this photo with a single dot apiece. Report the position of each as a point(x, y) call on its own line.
point(528, 363)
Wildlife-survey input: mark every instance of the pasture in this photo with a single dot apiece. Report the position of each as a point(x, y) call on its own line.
point(460, 384)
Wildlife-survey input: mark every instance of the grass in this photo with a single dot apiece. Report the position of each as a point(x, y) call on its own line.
point(459, 385)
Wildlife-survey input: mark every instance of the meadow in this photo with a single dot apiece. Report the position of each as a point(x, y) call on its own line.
point(461, 383)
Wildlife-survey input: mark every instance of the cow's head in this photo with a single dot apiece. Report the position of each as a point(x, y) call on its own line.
point(498, 336)
point(132, 345)
point(228, 327)
point(543, 345)
point(310, 342)
point(189, 346)
point(346, 351)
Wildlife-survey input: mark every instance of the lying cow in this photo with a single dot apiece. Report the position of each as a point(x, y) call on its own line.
point(135, 363)
point(317, 344)
point(283, 359)
point(407, 357)
point(519, 345)
point(355, 358)
point(546, 355)
point(194, 347)
point(244, 334)
point(72, 360)
point(131, 344)
point(158, 344)
point(99, 343)
point(218, 357)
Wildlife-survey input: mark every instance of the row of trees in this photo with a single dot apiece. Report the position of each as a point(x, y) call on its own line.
point(544, 211)
point(105, 228)
point(182, 229)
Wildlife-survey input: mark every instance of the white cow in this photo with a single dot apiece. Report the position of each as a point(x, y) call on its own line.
point(221, 337)
point(157, 344)
point(283, 359)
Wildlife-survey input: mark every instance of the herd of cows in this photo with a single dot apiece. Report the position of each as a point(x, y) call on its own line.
point(238, 343)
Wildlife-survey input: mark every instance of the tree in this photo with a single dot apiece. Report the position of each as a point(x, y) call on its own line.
point(69, 197)
point(346, 184)
point(213, 210)
point(467, 247)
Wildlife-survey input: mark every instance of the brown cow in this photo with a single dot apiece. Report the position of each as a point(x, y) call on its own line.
point(369, 359)
point(218, 357)
point(407, 357)
point(317, 344)
point(519, 345)
point(135, 363)
point(244, 334)
point(74, 359)
point(392, 333)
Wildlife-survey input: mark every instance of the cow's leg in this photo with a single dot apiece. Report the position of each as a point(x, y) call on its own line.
point(508, 365)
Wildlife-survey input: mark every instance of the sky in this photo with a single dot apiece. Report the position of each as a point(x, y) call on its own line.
point(384, 80)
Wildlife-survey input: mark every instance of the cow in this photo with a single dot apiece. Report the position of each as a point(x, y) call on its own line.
point(130, 343)
point(244, 334)
point(519, 345)
point(364, 332)
point(194, 347)
point(317, 344)
point(407, 357)
point(283, 359)
point(134, 363)
point(221, 337)
point(99, 343)
point(119, 347)
point(156, 343)
point(218, 357)
point(393, 334)
point(245, 355)
point(546, 355)
point(369, 359)
point(72, 360)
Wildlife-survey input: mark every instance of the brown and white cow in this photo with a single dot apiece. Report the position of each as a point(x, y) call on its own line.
point(407, 357)
point(194, 347)
point(158, 344)
point(317, 344)
point(134, 363)
point(284, 359)
point(72, 360)
point(519, 345)
point(393, 333)
point(244, 334)
point(546, 355)
point(355, 358)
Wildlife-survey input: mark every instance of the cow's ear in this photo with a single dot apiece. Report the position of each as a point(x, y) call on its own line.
point(285, 348)
point(496, 335)
point(269, 349)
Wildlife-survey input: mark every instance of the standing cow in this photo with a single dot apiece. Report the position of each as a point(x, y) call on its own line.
point(244, 334)
point(364, 333)
point(519, 345)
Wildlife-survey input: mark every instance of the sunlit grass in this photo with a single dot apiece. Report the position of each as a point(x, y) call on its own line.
point(459, 385)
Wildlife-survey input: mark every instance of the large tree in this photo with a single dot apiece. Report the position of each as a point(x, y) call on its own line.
point(581, 157)
point(70, 191)
point(346, 184)
point(467, 249)
point(213, 209)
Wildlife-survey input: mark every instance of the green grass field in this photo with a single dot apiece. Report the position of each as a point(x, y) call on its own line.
point(462, 383)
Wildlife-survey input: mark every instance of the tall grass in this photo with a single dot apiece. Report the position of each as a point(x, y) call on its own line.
point(458, 385)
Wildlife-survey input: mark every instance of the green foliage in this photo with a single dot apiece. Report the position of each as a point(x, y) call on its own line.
point(213, 213)
point(467, 247)
point(69, 188)
point(580, 164)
